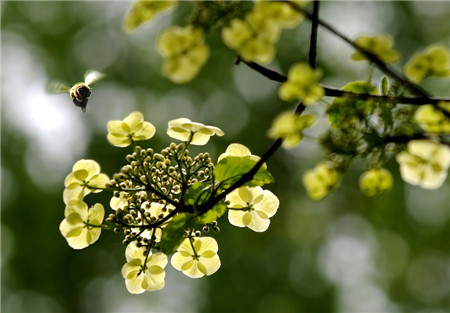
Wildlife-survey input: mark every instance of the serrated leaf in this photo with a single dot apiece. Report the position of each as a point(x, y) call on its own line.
point(212, 214)
point(174, 233)
point(230, 169)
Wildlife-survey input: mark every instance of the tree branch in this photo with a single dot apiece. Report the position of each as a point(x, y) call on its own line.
point(333, 92)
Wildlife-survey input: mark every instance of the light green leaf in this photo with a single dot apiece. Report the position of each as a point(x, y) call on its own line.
point(174, 233)
point(230, 169)
point(212, 214)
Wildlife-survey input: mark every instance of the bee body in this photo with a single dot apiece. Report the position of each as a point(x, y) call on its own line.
point(79, 92)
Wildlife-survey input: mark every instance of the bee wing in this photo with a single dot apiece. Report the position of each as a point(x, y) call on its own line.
point(55, 87)
point(92, 76)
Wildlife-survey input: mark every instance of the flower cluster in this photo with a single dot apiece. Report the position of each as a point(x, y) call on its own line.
point(320, 180)
point(289, 127)
point(159, 201)
point(184, 52)
point(434, 61)
point(425, 163)
point(433, 120)
point(255, 36)
point(144, 11)
point(380, 46)
point(302, 84)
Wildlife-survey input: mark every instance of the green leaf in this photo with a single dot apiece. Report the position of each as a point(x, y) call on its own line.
point(174, 233)
point(197, 194)
point(384, 85)
point(230, 169)
point(212, 214)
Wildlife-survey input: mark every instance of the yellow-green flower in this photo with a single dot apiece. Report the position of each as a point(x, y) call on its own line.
point(253, 38)
point(184, 52)
point(424, 164)
point(434, 61)
point(302, 84)
point(144, 11)
point(251, 207)
point(197, 257)
point(379, 45)
point(184, 129)
point(84, 179)
point(281, 13)
point(119, 202)
point(143, 273)
point(433, 120)
point(81, 226)
point(132, 128)
point(238, 150)
point(289, 126)
point(320, 180)
point(375, 181)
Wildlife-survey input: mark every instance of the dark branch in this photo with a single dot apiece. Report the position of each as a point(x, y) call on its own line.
point(312, 56)
point(373, 58)
point(333, 92)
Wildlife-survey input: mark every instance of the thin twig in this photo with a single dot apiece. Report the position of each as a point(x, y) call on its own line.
point(373, 58)
point(333, 92)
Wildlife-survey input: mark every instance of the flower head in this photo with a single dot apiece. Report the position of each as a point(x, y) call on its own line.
point(237, 150)
point(84, 179)
point(375, 181)
point(81, 226)
point(281, 13)
point(143, 272)
point(184, 129)
point(433, 120)
point(252, 207)
point(197, 257)
point(254, 37)
point(302, 84)
point(380, 46)
point(144, 11)
point(131, 128)
point(184, 52)
point(289, 126)
point(434, 61)
point(425, 164)
point(320, 180)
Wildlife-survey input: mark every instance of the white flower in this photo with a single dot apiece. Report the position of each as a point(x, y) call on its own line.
point(79, 226)
point(183, 129)
point(425, 164)
point(143, 273)
point(197, 258)
point(131, 128)
point(252, 207)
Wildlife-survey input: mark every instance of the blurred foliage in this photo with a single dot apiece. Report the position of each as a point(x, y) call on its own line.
point(347, 253)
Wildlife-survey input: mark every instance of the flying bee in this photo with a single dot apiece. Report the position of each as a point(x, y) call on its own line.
point(79, 92)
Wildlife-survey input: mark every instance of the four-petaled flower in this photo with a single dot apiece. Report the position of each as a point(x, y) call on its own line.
point(320, 180)
point(375, 181)
point(81, 226)
point(184, 52)
point(132, 128)
point(425, 164)
point(198, 134)
point(84, 179)
point(434, 61)
point(302, 84)
point(143, 272)
point(197, 257)
point(380, 46)
point(433, 120)
point(289, 127)
point(238, 150)
point(144, 11)
point(253, 38)
point(251, 207)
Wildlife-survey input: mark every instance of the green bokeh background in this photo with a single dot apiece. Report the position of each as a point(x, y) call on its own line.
point(347, 253)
